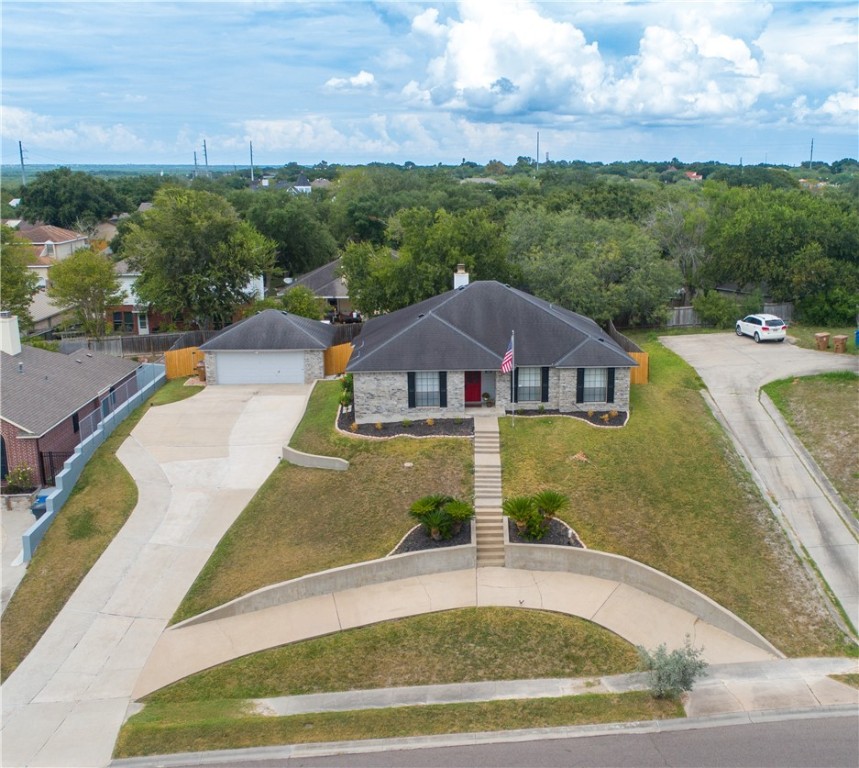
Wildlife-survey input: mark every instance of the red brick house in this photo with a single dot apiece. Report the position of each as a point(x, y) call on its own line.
point(47, 397)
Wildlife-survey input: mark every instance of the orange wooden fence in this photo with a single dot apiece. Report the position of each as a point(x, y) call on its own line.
point(336, 358)
point(183, 362)
point(641, 374)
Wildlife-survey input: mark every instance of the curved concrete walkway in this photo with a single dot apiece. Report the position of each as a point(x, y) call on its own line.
point(197, 464)
point(734, 369)
point(634, 615)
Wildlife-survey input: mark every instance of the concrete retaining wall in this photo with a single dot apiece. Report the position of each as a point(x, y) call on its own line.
point(386, 569)
point(150, 377)
point(316, 462)
point(601, 565)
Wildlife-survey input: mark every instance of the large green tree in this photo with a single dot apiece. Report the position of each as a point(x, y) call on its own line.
point(196, 257)
point(17, 283)
point(293, 223)
point(63, 197)
point(86, 283)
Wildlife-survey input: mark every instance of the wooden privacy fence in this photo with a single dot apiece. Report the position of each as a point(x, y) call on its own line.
point(182, 362)
point(641, 374)
point(335, 359)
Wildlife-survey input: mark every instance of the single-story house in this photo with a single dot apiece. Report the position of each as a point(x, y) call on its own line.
point(272, 347)
point(327, 283)
point(437, 358)
point(47, 397)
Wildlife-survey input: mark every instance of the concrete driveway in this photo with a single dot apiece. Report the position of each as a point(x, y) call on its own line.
point(814, 516)
point(197, 464)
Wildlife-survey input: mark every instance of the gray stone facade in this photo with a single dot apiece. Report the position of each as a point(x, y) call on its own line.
point(383, 396)
point(314, 365)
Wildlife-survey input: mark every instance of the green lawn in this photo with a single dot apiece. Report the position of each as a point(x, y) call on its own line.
point(429, 649)
point(804, 335)
point(668, 490)
point(822, 411)
point(101, 502)
point(170, 728)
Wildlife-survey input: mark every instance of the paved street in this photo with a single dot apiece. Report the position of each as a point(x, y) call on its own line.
point(734, 369)
point(197, 464)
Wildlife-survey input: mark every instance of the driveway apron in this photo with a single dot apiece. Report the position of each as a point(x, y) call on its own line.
point(734, 369)
point(197, 463)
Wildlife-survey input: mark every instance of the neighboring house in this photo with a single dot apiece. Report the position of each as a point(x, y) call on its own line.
point(437, 358)
point(45, 314)
point(41, 265)
point(327, 284)
point(272, 347)
point(53, 242)
point(131, 316)
point(692, 176)
point(47, 397)
point(301, 186)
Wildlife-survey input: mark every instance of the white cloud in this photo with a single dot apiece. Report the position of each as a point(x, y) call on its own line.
point(362, 80)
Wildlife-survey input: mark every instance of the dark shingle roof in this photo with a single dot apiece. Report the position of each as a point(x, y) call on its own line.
point(325, 281)
point(52, 386)
point(273, 330)
point(469, 329)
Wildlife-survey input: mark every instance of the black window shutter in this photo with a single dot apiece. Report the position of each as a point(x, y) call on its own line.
point(442, 389)
point(580, 385)
point(544, 384)
point(609, 395)
point(411, 378)
point(514, 395)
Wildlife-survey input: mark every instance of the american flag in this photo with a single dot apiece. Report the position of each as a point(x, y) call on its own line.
point(507, 362)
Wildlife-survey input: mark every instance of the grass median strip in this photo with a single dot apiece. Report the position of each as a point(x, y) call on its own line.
point(170, 728)
point(821, 410)
point(101, 502)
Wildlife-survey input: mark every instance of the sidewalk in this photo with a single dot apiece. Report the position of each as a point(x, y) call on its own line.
point(13, 525)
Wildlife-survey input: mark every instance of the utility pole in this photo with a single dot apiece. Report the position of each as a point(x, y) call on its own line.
point(195, 163)
point(811, 157)
point(23, 175)
point(206, 158)
point(252, 161)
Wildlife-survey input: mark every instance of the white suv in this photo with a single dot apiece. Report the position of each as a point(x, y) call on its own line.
point(762, 328)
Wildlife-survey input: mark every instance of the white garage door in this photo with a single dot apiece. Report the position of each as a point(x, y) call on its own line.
point(260, 367)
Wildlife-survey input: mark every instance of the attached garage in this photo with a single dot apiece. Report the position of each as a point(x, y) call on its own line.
point(272, 347)
point(260, 368)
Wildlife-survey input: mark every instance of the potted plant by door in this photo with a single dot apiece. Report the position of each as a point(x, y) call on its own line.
point(488, 400)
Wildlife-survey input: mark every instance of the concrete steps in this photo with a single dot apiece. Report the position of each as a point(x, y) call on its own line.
point(487, 492)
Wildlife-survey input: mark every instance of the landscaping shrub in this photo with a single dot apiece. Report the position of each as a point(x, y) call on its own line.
point(672, 673)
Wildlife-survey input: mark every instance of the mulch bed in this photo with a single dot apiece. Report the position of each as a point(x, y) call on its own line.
point(439, 428)
point(418, 539)
point(558, 534)
point(596, 419)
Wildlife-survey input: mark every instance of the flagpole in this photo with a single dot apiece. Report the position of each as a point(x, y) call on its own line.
point(513, 377)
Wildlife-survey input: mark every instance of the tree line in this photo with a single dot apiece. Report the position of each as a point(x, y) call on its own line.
point(617, 241)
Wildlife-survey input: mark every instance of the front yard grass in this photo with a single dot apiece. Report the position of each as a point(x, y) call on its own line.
point(170, 728)
point(804, 335)
point(490, 643)
point(307, 520)
point(101, 502)
point(668, 490)
point(821, 410)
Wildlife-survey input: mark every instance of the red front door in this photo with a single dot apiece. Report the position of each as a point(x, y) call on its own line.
point(472, 386)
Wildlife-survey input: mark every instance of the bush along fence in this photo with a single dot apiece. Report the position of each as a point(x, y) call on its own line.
point(149, 378)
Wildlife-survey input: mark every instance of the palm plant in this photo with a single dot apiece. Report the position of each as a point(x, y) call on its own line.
point(550, 503)
point(459, 512)
point(520, 509)
point(438, 524)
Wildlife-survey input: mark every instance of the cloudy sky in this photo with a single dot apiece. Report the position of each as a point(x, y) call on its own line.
point(354, 82)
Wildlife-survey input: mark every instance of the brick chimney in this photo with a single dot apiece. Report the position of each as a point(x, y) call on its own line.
point(10, 338)
point(460, 277)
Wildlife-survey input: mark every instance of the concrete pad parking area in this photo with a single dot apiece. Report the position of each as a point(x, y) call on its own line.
point(197, 463)
point(734, 369)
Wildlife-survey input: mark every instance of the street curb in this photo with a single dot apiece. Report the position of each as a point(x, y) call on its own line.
point(322, 749)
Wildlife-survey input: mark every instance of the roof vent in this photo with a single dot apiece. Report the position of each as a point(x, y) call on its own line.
point(20, 367)
point(420, 315)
